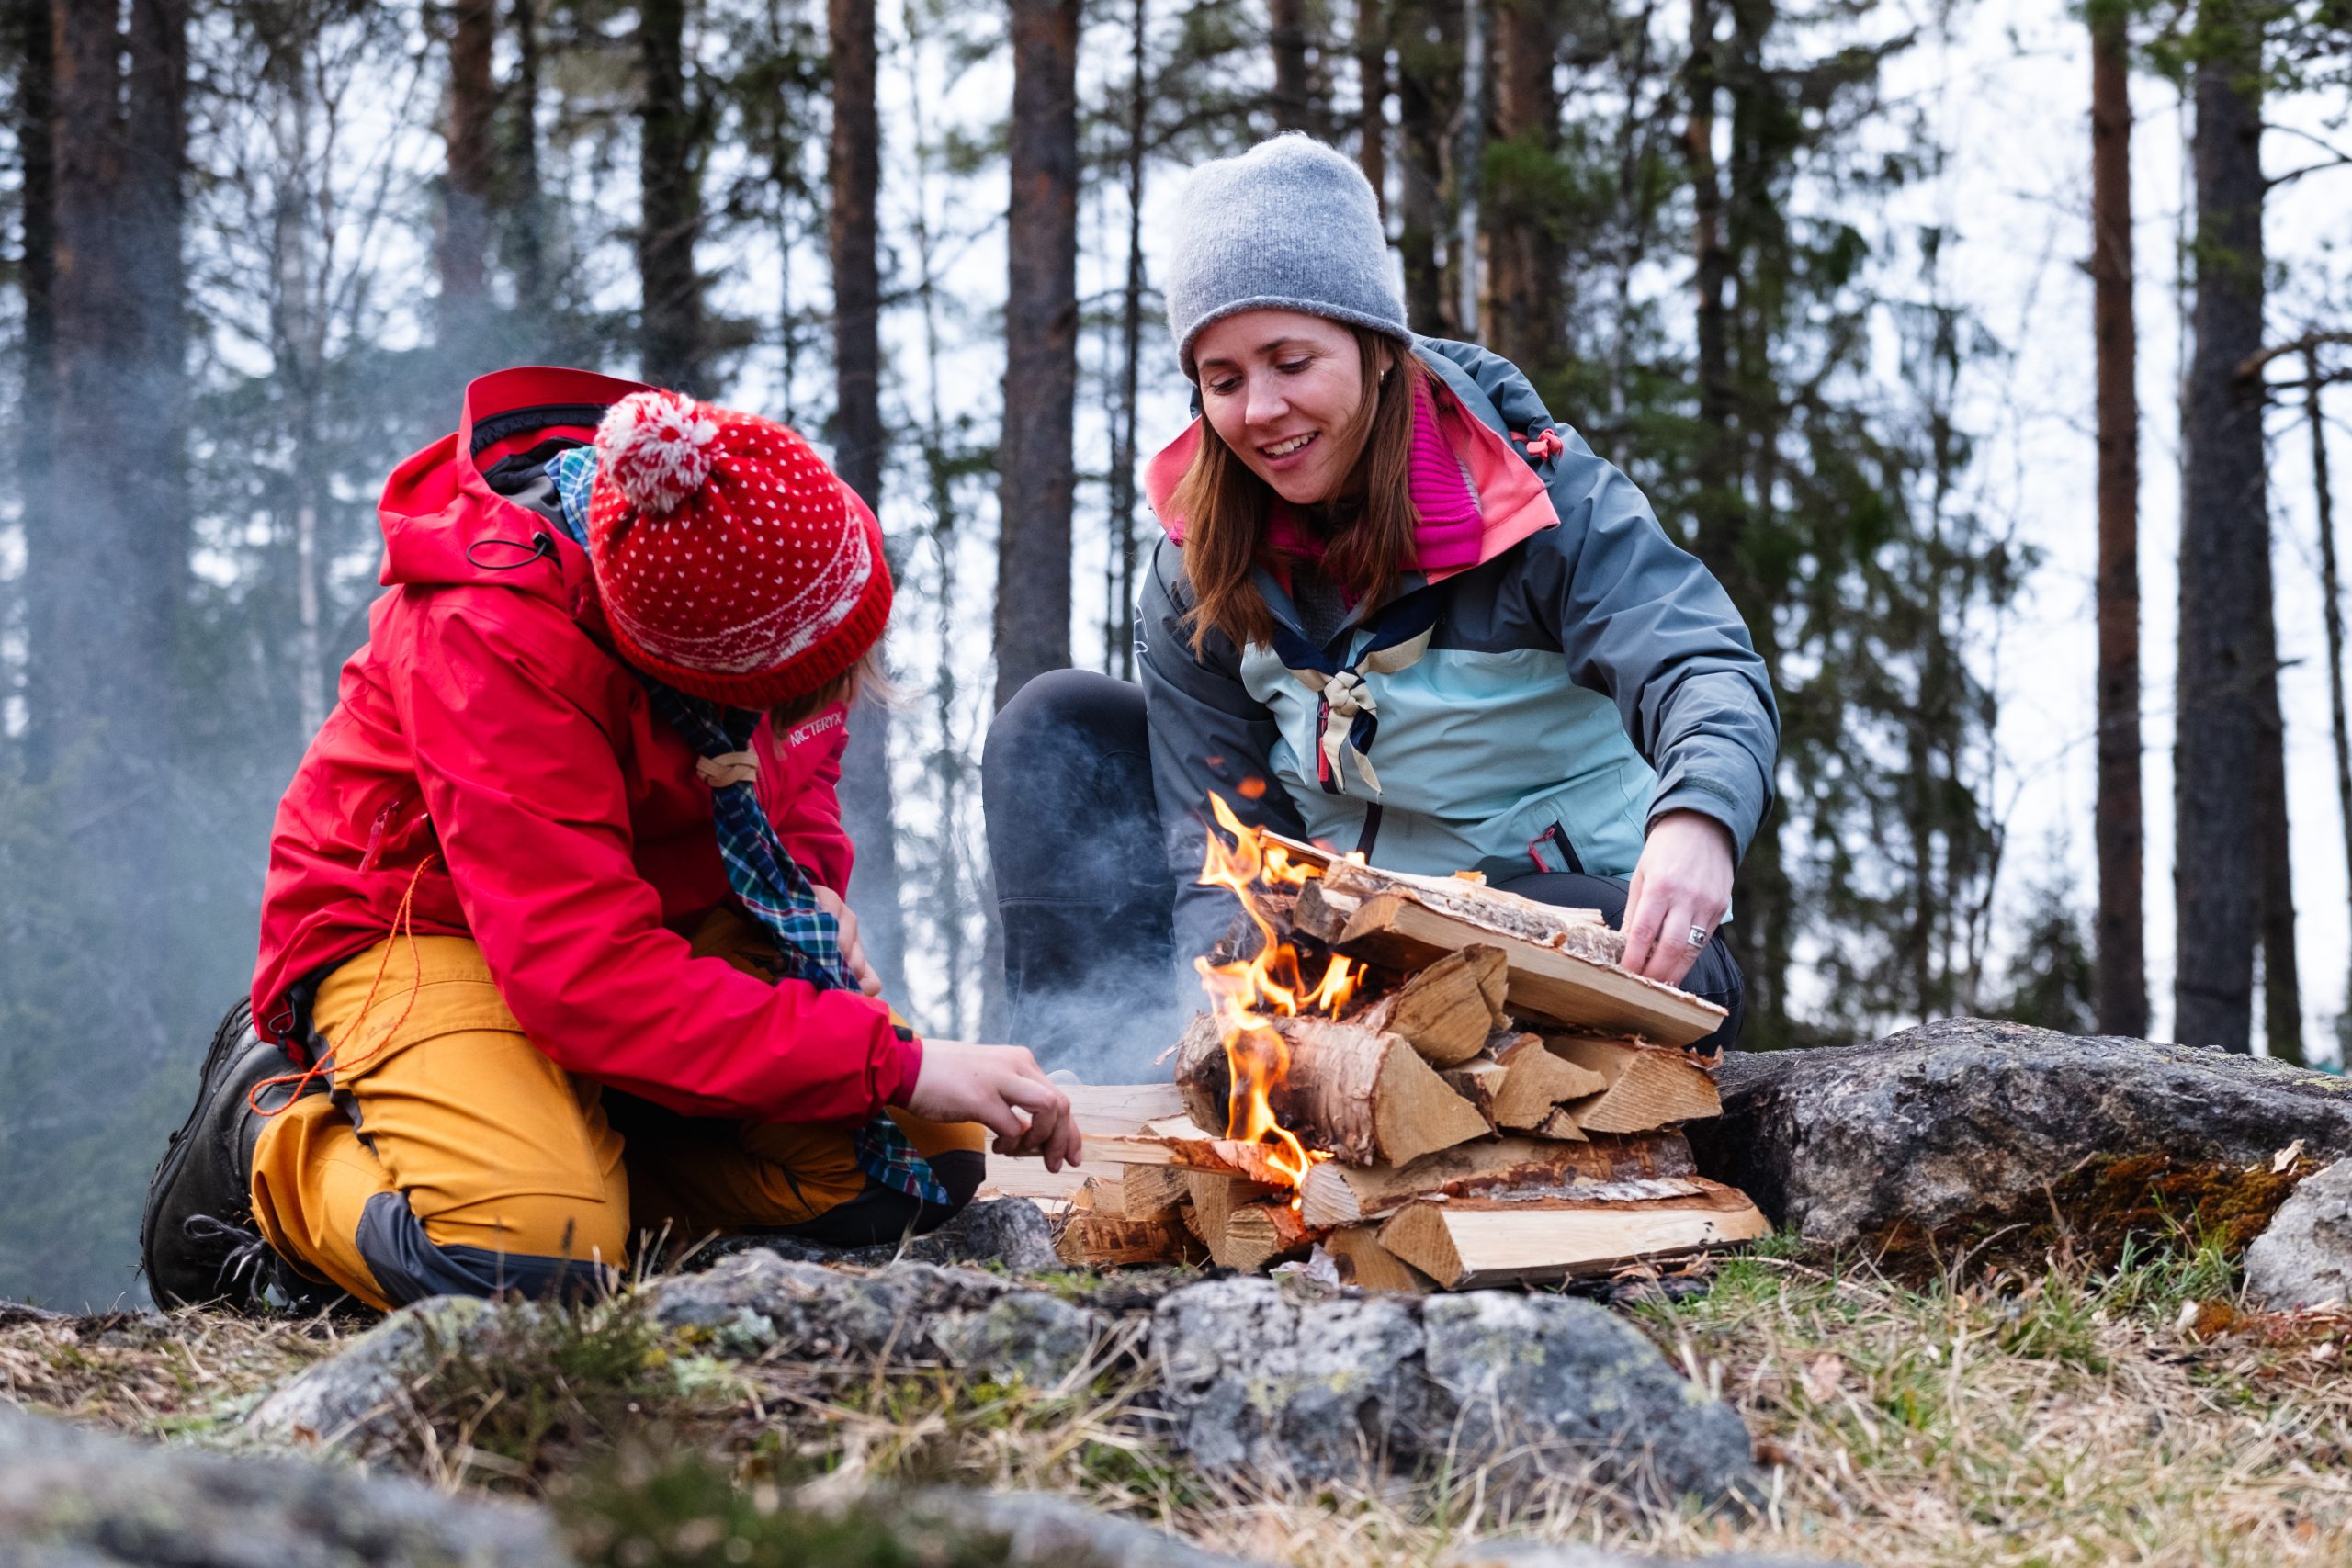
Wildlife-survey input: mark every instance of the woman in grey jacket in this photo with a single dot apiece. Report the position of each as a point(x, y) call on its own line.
point(1399, 610)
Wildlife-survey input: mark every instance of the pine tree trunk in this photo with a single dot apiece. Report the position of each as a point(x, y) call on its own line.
point(30, 25)
point(1034, 459)
point(465, 191)
point(1525, 249)
point(1372, 89)
point(103, 593)
point(2123, 984)
point(528, 230)
point(1119, 626)
point(669, 329)
point(1293, 90)
point(2282, 988)
point(1469, 174)
point(2332, 605)
point(2224, 542)
point(868, 799)
point(1429, 60)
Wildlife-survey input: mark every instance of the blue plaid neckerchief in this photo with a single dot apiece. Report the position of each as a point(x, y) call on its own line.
point(763, 873)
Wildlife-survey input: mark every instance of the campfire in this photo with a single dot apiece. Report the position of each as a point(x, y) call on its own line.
point(1409, 1082)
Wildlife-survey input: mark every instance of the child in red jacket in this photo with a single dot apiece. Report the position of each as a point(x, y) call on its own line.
point(554, 902)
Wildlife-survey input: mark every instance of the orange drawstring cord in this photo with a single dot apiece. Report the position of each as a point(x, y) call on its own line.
point(404, 926)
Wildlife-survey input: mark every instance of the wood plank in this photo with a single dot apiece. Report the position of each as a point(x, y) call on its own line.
point(1007, 1178)
point(1466, 1243)
point(1545, 982)
point(1118, 1109)
point(1365, 1264)
point(1335, 1194)
point(1645, 1085)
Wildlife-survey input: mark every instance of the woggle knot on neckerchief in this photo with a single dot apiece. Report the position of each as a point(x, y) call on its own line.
point(1347, 718)
point(729, 767)
point(1344, 697)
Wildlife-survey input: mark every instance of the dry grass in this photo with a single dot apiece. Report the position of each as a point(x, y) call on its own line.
point(1975, 1417)
point(179, 1373)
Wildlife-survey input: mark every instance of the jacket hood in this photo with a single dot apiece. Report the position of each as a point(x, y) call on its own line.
point(1512, 500)
point(442, 521)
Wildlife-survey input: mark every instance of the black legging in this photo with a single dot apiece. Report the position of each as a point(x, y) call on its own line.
point(1085, 892)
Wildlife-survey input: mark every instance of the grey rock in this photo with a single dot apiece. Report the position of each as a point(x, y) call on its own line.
point(2304, 1258)
point(71, 1498)
point(1042, 1338)
point(1969, 1119)
point(358, 1397)
point(1040, 1532)
point(1551, 1384)
point(757, 1302)
point(1536, 1554)
point(1009, 1231)
point(1270, 1383)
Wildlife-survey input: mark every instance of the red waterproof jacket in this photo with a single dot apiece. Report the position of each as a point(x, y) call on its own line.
point(488, 734)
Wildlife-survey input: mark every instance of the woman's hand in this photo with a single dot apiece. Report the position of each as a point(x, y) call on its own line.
point(1682, 882)
point(1001, 1087)
point(853, 945)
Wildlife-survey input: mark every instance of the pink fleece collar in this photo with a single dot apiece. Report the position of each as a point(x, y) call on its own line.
point(1476, 497)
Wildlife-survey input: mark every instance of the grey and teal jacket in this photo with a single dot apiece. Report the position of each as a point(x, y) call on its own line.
point(1535, 712)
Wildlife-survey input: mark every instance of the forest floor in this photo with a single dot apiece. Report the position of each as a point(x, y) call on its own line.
point(2064, 1414)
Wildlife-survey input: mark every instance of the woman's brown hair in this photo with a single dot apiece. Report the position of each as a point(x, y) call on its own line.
point(1224, 506)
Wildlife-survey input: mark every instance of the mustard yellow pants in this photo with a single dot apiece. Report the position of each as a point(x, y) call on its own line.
point(454, 1157)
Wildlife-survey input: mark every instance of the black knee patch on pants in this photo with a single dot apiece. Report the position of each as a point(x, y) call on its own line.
point(410, 1265)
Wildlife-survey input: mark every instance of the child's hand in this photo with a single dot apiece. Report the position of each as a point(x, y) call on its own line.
point(1001, 1087)
point(853, 945)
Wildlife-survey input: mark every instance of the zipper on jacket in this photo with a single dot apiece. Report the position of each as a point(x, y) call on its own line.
point(383, 823)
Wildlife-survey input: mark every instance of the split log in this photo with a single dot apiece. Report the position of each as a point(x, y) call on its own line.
point(1536, 1083)
point(1204, 1077)
point(1478, 1081)
point(1334, 1194)
point(1029, 1178)
point(1215, 1196)
point(1364, 1095)
point(1150, 1189)
point(1564, 986)
point(1365, 1264)
point(1447, 1011)
point(1472, 1243)
point(1646, 1085)
point(1257, 1235)
point(1089, 1238)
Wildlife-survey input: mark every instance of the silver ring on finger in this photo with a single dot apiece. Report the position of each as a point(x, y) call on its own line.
point(1698, 937)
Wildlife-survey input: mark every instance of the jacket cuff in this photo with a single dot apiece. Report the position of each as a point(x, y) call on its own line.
point(1695, 795)
point(902, 1064)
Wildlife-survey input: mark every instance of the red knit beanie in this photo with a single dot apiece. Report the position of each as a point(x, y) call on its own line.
point(732, 563)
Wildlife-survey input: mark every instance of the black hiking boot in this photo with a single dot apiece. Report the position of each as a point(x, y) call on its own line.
point(198, 1242)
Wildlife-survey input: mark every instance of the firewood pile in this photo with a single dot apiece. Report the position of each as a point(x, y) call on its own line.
point(1471, 1091)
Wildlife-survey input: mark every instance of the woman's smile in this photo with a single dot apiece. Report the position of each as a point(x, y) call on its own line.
point(1261, 372)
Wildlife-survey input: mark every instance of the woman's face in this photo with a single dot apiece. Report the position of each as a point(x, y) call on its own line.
point(1282, 388)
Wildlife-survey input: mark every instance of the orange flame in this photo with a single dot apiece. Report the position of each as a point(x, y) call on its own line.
point(1247, 992)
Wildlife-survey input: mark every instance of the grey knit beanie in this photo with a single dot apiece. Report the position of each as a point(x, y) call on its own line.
point(1289, 225)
